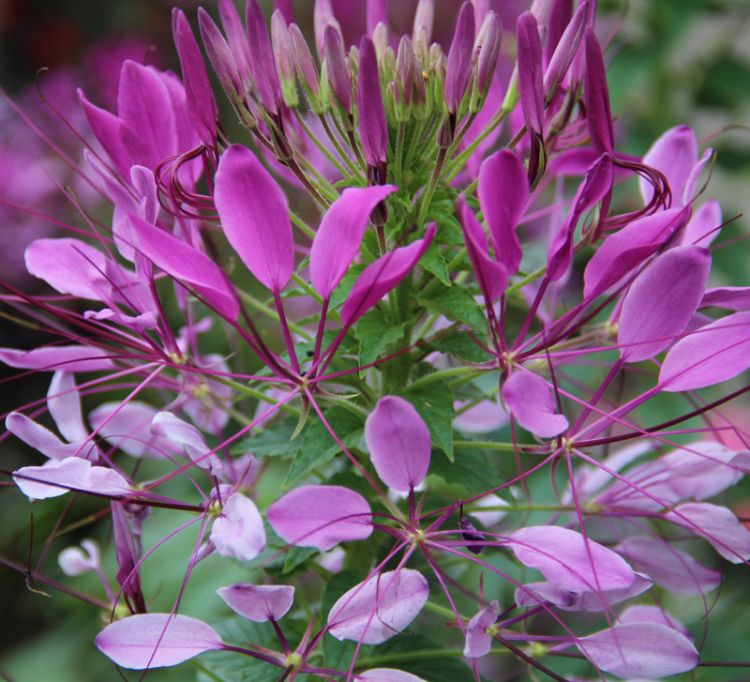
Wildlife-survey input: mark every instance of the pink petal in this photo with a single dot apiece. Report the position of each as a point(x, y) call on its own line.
point(491, 275)
point(674, 154)
point(458, 65)
point(399, 443)
point(39, 437)
point(255, 217)
point(530, 72)
point(668, 566)
point(129, 429)
point(567, 561)
point(258, 603)
point(58, 477)
point(156, 640)
point(661, 301)
point(380, 607)
point(64, 404)
point(624, 250)
point(188, 265)
point(387, 675)
point(373, 128)
point(647, 613)
point(718, 525)
point(478, 642)
point(503, 192)
point(238, 531)
point(321, 516)
point(69, 266)
point(337, 240)
point(189, 440)
point(596, 95)
point(378, 278)
point(730, 298)
point(714, 353)
point(531, 401)
point(49, 358)
point(640, 650)
point(702, 228)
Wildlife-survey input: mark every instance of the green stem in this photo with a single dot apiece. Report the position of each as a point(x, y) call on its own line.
point(270, 312)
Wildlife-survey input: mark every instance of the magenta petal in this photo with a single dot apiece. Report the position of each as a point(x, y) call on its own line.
point(378, 278)
point(387, 675)
point(202, 105)
point(718, 525)
point(58, 477)
point(373, 129)
point(596, 96)
point(668, 566)
point(702, 228)
point(38, 437)
point(262, 65)
point(674, 154)
point(156, 640)
point(730, 298)
point(337, 68)
point(714, 353)
point(478, 641)
point(624, 250)
point(567, 561)
point(258, 603)
point(321, 516)
point(640, 650)
point(67, 358)
point(531, 401)
point(661, 302)
point(255, 217)
point(188, 265)
point(340, 233)
point(69, 266)
point(503, 192)
point(399, 443)
point(458, 66)
point(530, 72)
point(238, 531)
point(380, 607)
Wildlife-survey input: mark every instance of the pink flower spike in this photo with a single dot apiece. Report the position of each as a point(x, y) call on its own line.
point(188, 265)
point(202, 107)
point(675, 154)
point(373, 129)
point(714, 353)
point(661, 302)
point(568, 561)
point(668, 566)
point(380, 277)
point(478, 640)
point(238, 531)
point(255, 217)
point(156, 640)
point(380, 607)
point(258, 603)
point(66, 358)
point(321, 516)
point(503, 194)
point(531, 400)
point(717, 525)
point(58, 477)
point(624, 250)
point(399, 443)
point(387, 675)
point(491, 275)
point(458, 66)
point(340, 233)
point(640, 650)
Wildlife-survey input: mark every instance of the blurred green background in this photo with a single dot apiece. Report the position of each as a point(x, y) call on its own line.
point(672, 62)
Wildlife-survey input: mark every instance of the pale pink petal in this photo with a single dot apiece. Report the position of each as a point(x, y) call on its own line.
point(387, 675)
point(156, 640)
point(701, 230)
point(380, 607)
point(50, 358)
point(58, 477)
point(674, 154)
point(399, 443)
point(531, 400)
point(258, 603)
point(321, 516)
point(238, 531)
point(39, 437)
point(478, 641)
point(64, 404)
point(129, 428)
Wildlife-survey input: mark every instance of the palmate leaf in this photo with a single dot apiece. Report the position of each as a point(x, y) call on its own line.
point(457, 305)
point(375, 333)
point(434, 403)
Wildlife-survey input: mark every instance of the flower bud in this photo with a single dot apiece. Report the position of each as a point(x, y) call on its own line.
point(380, 39)
point(261, 58)
point(422, 31)
point(284, 58)
point(323, 16)
point(404, 83)
point(565, 52)
point(458, 68)
point(76, 561)
point(219, 53)
point(337, 68)
point(488, 44)
point(373, 129)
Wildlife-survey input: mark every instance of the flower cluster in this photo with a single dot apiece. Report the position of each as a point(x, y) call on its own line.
point(425, 286)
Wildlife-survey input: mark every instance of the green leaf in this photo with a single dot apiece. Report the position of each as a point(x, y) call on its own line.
point(297, 556)
point(460, 345)
point(432, 260)
point(345, 286)
point(316, 445)
point(457, 305)
point(435, 405)
point(374, 334)
point(273, 440)
point(471, 469)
